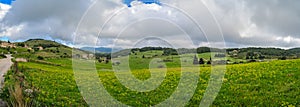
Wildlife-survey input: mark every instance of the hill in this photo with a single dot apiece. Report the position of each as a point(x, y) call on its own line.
point(35, 48)
point(41, 49)
point(100, 49)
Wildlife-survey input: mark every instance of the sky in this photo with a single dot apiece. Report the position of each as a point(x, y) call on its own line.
point(6, 1)
point(118, 23)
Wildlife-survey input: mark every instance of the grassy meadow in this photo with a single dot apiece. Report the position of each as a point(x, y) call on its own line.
point(274, 83)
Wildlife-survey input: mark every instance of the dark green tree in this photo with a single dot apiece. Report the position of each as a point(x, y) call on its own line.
point(201, 61)
point(208, 62)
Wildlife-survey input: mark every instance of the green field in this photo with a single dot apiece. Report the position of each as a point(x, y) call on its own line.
point(274, 83)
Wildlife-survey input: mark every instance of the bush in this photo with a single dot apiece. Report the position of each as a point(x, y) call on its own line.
point(40, 58)
point(201, 61)
point(282, 58)
point(161, 66)
point(252, 60)
point(208, 63)
point(235, 63)
point(2, 56)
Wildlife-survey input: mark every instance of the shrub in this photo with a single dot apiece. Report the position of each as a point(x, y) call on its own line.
point(201, 61)
point(282, 58)
point(252, 60)
point(160, 66)
point(2, 56)
point(208, 63)
point(40, 58)
point(235, 63)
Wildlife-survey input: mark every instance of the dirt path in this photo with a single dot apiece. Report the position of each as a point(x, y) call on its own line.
point(5, 65)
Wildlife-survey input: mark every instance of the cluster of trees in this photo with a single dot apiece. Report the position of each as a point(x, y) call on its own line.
point(208, 49)
point(21, 44)
point(107, 57)
point(267, 52)
point(102, 55)
point(169, 51)
point(148, 49)
point(166, 51)
point(200, 61)
point(254, 55)
point(46, 45)
point(102, 60)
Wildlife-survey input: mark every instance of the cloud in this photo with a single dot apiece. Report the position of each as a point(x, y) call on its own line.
point(4, 8)
point(257, 23)
point(243, 22)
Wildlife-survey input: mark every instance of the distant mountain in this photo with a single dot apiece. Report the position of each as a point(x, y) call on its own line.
point(101, 49)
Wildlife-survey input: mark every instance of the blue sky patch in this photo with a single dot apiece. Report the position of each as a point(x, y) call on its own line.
point(6, 1)
point(127, 2)
point(4, 38)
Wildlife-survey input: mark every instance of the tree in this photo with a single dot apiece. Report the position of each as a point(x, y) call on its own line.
point(282, 58)
point(201, 61)
point(100, 60)
point(107, 61)
point(195, 60)
point(57, 50)
point(247, 57)
point(40, 58)
point(203, 50)
point(169, 51)
point(21, 44)
point(208, 62)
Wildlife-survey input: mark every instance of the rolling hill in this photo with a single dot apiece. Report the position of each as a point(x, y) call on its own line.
point(100, 49)
point(39, 48)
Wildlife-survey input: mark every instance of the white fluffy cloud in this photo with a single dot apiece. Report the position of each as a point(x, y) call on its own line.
point(243, 22)
point(3, 10)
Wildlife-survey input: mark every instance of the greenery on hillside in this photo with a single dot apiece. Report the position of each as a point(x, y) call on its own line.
point(43, 49)
point(254, 76)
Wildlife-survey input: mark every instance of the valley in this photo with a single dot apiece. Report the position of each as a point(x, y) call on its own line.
point(47, 77)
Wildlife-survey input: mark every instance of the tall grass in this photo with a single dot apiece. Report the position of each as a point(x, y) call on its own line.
point(16, 92)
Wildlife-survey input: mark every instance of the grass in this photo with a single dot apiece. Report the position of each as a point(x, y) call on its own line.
point(272, 83)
